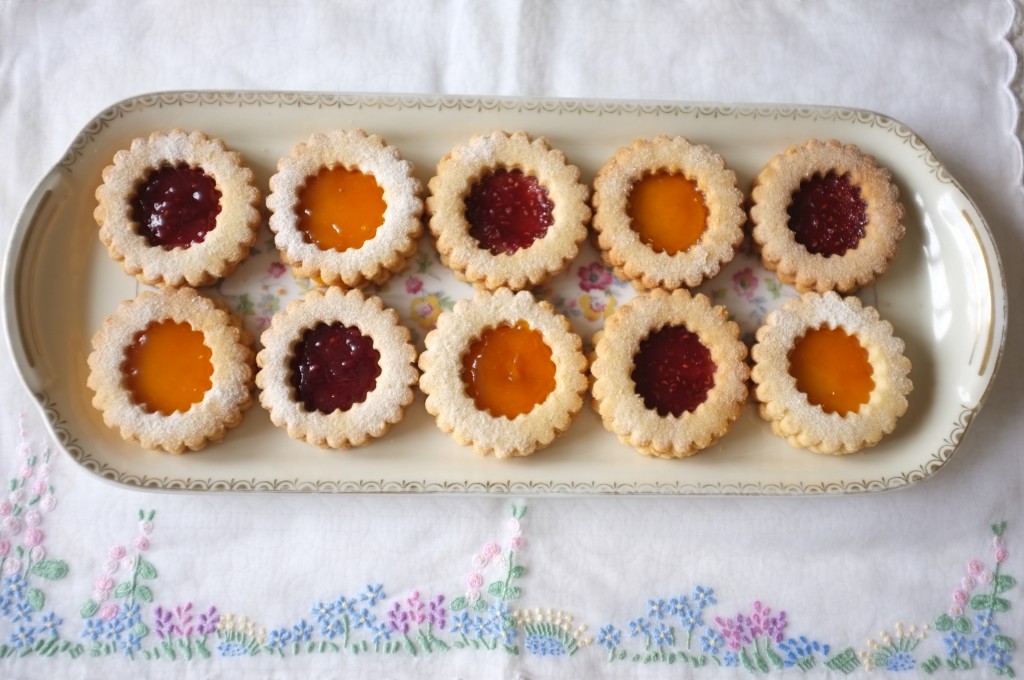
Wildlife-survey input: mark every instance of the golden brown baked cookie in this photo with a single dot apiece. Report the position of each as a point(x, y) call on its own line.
point(337, 368)
point(172, 370)
point(669, 373)
point(345, 209)
point(507, 210)
point(826, 217)
point(177, 208)
point(829, 373)
point(667, 213)
point(503, 373)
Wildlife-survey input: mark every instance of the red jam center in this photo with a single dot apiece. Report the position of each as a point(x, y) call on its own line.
point(827, 214)
point(673, 371)
point(176, 206)
point(508, 210)
point(333, 367)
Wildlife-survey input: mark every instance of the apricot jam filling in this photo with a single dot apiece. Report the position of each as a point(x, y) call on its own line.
point(827, 215)
point(508, 370)
point(176, 206)
point(831, 367)
point(673, 371)
point(508, 210)
point(334, 366)
point(167, 367)
point(668, 212)
point(340, 208)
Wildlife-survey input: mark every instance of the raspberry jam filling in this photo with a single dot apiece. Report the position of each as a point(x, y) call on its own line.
point(832, 369)
point(176, 206)
point(333, 367)
point(340, 209)
point(827, 214)
point(167, 367)
point(673, 371)
point(668, 212)
point(508, 210)
point(508, 370)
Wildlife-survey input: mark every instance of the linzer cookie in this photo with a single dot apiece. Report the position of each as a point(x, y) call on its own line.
point(177, 208)
point(829, 373)
point(172, 370)
point(503, 373)
point(337, 369)
point(669, 373)
point(826, 217)
point(507, 210)
point(667, 213)
point(345, 209)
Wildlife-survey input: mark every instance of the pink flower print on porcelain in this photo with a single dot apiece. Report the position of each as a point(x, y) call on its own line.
point(276, 269)
point(745, 283)
point(594, 276)
point(108, 612)
point(32, 538)
point(413, 285)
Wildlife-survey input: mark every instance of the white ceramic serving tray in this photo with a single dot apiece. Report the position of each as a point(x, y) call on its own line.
point(944, 294)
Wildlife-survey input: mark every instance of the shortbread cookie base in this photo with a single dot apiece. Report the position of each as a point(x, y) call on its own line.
point(455, 411)
point(206, 421)
point(771, 197)
point(223, 248)
point(527, 267)
point(621, 246)
point(791, 414)
point(384, 405)
point(393, 244)
point(623, 411)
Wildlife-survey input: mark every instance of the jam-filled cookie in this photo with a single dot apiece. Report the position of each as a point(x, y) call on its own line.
point(345, 209)
point(667, 213)
point(504, 373)
point(507, 210)
point(178, 208)
point(172, 370)
point(829, 373)
point(337, 369)
point(669, 373)
point(826, 217)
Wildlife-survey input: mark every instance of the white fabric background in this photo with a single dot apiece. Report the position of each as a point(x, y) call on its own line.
point(843, 568)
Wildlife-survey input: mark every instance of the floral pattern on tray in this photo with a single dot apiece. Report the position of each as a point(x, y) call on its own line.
point(129, 613)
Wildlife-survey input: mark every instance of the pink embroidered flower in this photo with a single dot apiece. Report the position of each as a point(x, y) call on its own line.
point(128, 563)
point(960, 597)
point(745, 283)
point(1001, 555)
point(514, 526)
point(145, 527)
point(101, 595)
point(516, 543)
point(491, 549)
point(413, 285)
point(12, 566)
point(48, 502)
point(141, 544)
point(956, 611)
point(37, 553)
point(39, 487)
point(5, 508)
point(32, 537)
point(26, 471)
point(478, 561)
point(975, 567)
point(475, 580)
point(12, 525)
point(276, 269)
point(43, 471)
point(968, 583)
point(110, 567)
point(17, 496)
point(986, 577)
point(117, 552)
point(595, 276)
point(104, 583)
point(24, 450)
point(108, 612)
point(5, 548)
point(472, 596)
point(33, 518)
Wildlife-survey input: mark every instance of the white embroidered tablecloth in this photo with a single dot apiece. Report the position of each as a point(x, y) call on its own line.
point(100, 580)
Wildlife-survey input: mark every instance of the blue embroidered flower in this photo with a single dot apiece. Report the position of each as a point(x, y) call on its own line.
point(610, 637)
point(381, 633)
point(499, 611)
point(730, 659)
point(322, 612)
point(703, 597)
point(985, 625)
point(690, 618)
point(232, 649)
point(656, 608)
point(131, 645)
point(114, 629)
point(332, 628)
point(279, 638)
point(998, 657)
point(93, 629)
point(678, 605)
point(345, 606)
point(302, 631)
point(956, 644)
point(364, 619)
point(977, 647)
point(130, 615)
point(900, 661)
point(50, 624)
point(374, 594)
point(639, 627)
point(477, 628)
point(22, 612)
point(23, 637)
point(506, 636)
point(800, 652)
point(664, 635)
point(544, 645)
point(460, 623)
point(5, 605)
point(14, 586)
point(712, 642)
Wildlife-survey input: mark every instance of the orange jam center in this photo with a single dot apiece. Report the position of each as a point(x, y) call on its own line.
point(508, 370)
point(341, 209)
point(167, 368)
point(832, 369)
point(668, 212)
